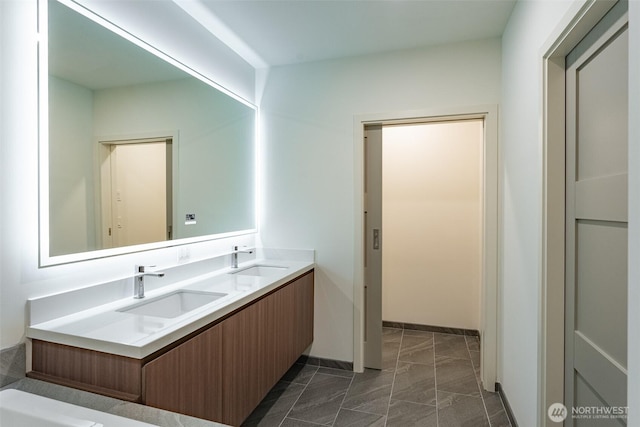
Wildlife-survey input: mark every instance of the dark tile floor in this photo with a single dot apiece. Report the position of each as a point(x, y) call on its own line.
point(428, 379)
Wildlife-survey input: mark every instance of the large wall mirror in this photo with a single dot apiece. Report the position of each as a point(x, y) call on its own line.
point(137, 151)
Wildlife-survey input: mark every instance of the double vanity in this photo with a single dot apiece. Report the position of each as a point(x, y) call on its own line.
point(209, 346)
point(206, 339)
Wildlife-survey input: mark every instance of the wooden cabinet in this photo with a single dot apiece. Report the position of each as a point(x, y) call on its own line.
point(245, 360)
point(187, 378)
point(223, 373)
point(93, 371)
point(260, 343)
point(220, 373)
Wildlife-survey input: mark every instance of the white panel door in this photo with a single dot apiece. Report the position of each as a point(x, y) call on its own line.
point(596, 209)
point(139, 193)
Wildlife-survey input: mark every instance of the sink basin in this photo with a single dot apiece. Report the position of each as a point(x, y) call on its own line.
point(261, 270)
point(174, 304)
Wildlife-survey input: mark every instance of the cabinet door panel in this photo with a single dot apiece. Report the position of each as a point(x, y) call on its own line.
point(284, 327)
point(188, 379)
point(303, 305)
point(242, 361)
point(261, 342)
point(225, 372)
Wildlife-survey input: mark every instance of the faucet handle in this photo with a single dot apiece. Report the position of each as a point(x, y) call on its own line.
point(142, 268)
point(244, 249)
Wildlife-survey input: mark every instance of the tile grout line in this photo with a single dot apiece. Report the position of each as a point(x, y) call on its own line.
point(482, 394)
point(362, 412)
point(298, 398)
point(478, 383)
point(393, 383)
point(343, 399)
point(504, 409)
point(403, 336)
point(309, 422)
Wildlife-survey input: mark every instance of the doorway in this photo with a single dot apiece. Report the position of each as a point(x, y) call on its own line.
point(136, 189)
point(366, 341)
point(423, 217)
point(432, 216)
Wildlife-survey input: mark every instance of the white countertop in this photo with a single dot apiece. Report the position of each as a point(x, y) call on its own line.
point(104, 328)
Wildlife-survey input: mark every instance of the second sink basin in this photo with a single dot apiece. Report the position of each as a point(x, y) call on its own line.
point(261, 270)
point(174, 304)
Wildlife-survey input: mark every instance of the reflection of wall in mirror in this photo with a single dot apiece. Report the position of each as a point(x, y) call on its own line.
point(215, 147)
point(214, 160)
point(72, 219)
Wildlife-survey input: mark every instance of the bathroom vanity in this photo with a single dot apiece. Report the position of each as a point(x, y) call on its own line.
point(216, 360)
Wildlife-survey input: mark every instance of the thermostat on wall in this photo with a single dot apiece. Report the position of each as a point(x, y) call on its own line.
point(190, 219)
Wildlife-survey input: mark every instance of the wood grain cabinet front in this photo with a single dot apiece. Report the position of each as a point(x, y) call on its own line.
point(260, 343)
point(187, 378)
point(221, 373)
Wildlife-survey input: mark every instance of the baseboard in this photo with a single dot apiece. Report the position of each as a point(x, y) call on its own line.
point(431, 328)
point(325, 363)
point(507, 406)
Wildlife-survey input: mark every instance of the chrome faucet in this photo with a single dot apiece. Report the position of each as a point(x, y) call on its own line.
point(138, 279)
point(234, 255)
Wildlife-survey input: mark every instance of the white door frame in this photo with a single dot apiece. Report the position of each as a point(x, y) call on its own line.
point(574, 26)
point(490, 288)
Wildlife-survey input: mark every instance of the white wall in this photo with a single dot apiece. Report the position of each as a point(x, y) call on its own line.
point(308, 125)
point(164, 25)
point(214, 135)
point(71, 189)
point(529, 27)
point(431, 223)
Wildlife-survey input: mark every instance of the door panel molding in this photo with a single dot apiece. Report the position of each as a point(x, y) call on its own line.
point(602, 203)
point(598, 368)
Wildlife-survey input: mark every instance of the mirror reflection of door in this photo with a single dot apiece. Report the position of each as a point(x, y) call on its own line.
point(138, 193)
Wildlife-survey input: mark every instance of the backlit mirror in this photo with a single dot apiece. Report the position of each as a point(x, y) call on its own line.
point(137, 150)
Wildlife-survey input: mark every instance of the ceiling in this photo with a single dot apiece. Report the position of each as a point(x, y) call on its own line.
point(92, 56)
point(280, 32)
point(272, 33)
